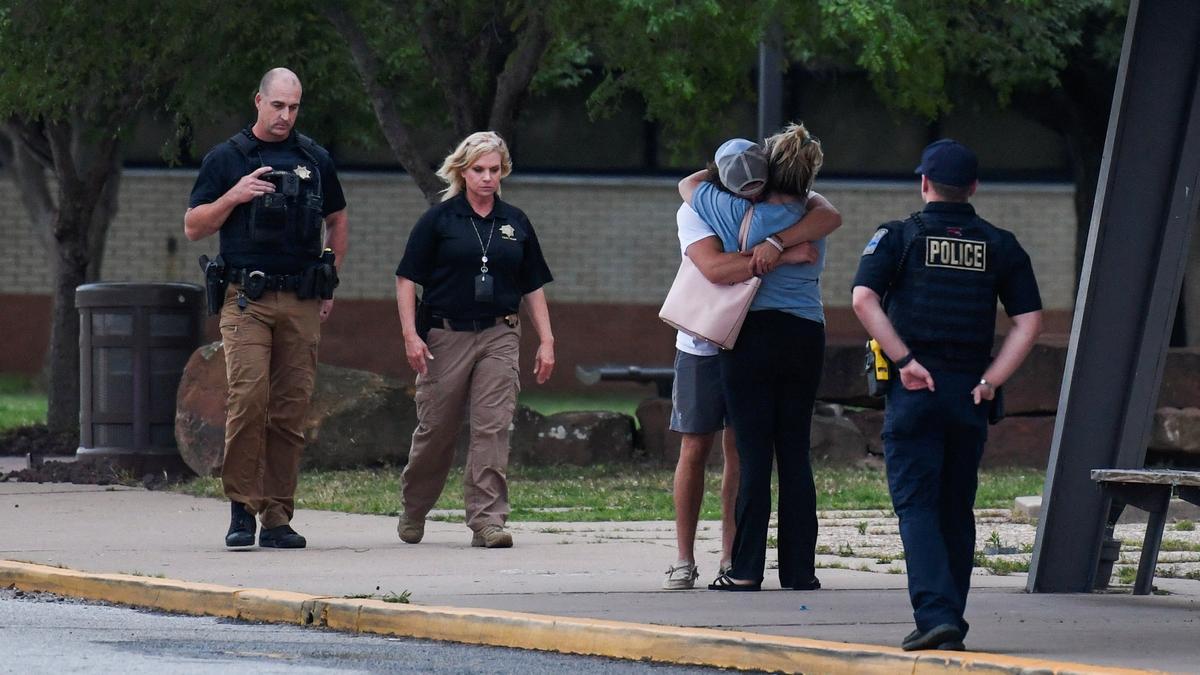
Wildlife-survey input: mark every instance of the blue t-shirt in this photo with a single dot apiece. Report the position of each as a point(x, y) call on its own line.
point(795, 289)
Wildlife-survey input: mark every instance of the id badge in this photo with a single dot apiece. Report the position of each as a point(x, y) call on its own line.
point(484, 291)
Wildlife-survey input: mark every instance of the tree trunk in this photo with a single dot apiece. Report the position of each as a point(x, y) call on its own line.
point(1085, 155)
point(87, 175)
point(28, 170)
point(70, 271)
point(399, 139)
point(103, 213)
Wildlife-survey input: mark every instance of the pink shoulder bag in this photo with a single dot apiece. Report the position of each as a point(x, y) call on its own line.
point(702, 309)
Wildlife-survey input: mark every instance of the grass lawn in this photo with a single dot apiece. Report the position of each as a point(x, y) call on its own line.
point(549, 404)
point(614, 492)
point(19, 404)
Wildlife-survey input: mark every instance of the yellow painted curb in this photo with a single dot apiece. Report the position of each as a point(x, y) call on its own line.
point(596, 637)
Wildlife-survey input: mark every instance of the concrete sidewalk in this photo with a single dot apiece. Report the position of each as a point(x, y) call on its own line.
point(605, 571)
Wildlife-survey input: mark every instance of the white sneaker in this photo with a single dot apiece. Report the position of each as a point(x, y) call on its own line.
point(681, 576)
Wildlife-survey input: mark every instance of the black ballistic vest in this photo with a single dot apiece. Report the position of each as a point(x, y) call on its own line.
point(944, 302)
point(280, 230)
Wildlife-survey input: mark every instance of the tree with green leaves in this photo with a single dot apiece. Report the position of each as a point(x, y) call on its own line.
point(472, 64)
point(1053, 61)
point(75, 79)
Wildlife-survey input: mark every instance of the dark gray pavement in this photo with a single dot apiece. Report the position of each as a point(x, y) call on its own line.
point(594, 570)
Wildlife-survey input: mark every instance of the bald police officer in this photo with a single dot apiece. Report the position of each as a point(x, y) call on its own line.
point(267, 191)
point(926, 290)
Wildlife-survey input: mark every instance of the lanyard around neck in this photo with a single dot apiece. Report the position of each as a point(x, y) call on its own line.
point(483, 248)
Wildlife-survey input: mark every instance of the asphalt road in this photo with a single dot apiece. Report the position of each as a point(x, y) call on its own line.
point(41, 633)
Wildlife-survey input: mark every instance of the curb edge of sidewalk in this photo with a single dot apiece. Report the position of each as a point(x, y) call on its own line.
point(500, 628)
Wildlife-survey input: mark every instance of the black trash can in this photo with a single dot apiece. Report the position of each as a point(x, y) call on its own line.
point(134, 341)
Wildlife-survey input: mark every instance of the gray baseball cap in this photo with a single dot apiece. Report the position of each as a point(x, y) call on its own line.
point(742, 166)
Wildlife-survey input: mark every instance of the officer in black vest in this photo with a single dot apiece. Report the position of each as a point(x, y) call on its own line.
point(939, 274)
point(267, 191)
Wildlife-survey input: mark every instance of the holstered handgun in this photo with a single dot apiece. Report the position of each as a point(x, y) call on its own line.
point(327, 276)
point(214, 282)
point(424, 320)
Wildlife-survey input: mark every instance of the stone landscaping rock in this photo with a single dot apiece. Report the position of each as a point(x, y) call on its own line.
point(870, 424)
point(655, 436)
point(583, 438)
point(1035, 387)
point(1180, 386)
point(200, 410)
point(836, 440)
point(1019, 441)
point(356, 418)
point(1176, 430)
point(522, 436)
point(843, 379)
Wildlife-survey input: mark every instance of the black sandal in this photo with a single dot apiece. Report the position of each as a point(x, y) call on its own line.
point(726, 583)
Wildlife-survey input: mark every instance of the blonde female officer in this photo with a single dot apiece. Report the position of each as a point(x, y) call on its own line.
point(477, 260)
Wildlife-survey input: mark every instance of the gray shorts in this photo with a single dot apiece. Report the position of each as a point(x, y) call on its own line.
point(697, 397)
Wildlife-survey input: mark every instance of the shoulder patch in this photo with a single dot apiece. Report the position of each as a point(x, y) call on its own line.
point(874, 243)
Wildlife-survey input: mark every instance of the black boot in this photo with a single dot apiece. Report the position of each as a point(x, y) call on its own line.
point(241, 526)
point(281, 537)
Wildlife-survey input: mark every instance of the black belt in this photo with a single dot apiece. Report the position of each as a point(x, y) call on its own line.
point(472, 325)
point(274, 282)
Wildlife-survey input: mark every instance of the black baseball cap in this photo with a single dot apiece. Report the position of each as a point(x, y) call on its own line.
point(949, 162)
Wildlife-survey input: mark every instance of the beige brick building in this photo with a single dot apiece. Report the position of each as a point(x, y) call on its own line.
point(608, 240)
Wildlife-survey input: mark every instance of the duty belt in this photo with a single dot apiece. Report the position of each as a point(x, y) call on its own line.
point(472, 325)
point(272, 282)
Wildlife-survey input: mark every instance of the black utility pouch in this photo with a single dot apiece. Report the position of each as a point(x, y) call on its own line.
point(307, 288)
point(269, 212)
point(254, 285)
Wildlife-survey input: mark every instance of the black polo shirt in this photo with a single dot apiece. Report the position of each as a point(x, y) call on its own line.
point(225, 165)
point(443, 257)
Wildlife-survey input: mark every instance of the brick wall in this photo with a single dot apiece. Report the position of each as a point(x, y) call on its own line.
point(608, 240)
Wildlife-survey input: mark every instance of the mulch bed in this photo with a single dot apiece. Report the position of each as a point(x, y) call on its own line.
point(82, 472)
point(39, 441)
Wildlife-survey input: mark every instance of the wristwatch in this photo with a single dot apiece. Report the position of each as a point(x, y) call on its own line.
point(904, 360)
point(983, 382)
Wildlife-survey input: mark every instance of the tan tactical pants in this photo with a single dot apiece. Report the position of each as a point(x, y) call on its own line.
point(474, 374)
point(271, 365)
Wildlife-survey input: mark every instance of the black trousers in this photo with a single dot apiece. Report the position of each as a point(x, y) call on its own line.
point(933, 442)
point(771, 378)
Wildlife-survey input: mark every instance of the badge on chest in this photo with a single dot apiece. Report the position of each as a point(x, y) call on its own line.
point(958, 254)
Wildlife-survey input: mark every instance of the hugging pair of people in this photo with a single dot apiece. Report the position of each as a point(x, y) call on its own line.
point(765, 387)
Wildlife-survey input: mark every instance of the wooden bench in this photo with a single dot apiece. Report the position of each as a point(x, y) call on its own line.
point(1149, 490)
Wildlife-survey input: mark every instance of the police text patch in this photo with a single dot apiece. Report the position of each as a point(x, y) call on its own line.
point(871, 245)
point(959, 254)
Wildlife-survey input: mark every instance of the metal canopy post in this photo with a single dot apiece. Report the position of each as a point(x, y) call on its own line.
point(770, 81)
point(1134, 263)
